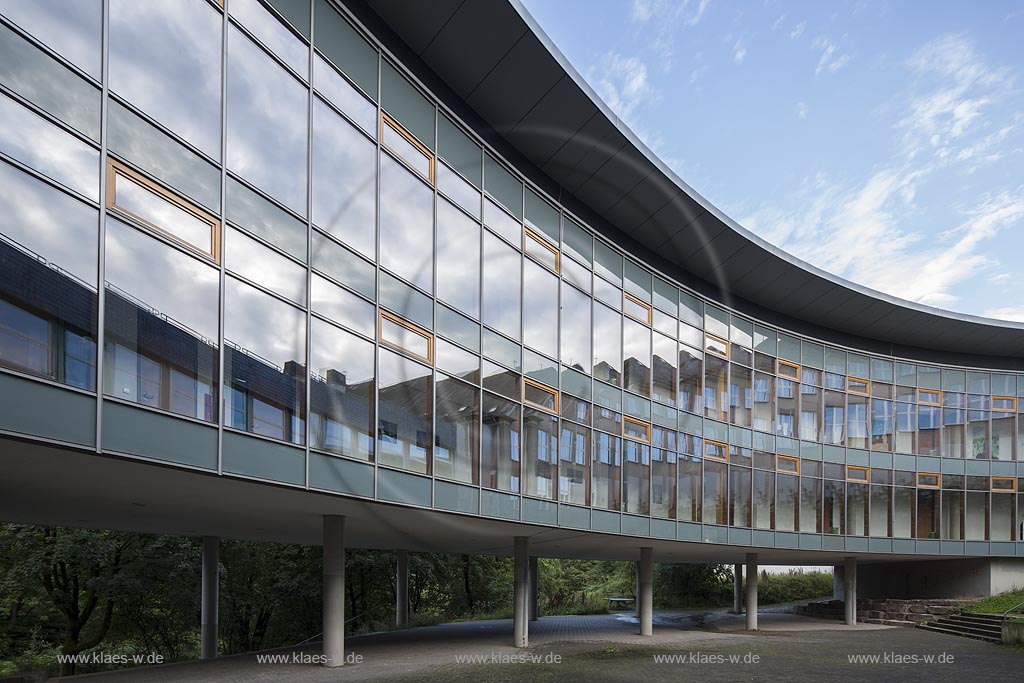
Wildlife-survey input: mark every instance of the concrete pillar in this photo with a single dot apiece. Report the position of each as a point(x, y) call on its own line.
point(334, 590)
point(838, 582)
point(737, 589)
point(534, 589)
point(521, 595)
point(850, 572)
point(645, 596)
point(402, 589)
point(210, 590)
point(751, 591)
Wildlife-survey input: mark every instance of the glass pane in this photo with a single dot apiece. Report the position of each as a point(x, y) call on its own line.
point(161, 341)
point(265, 219)
point(540, 431)
point(344, 46)
point(499, 453)
point(458, 259)
point(636, 357)
point(408, 152)
point(406, 224)
point(456, 361)
point(72, 29)
point(246, 257)
point(691, 375)
point(576, 329)
point(607, 472)
point(636, 476)
point(34, 141)
point(264, 364)
point(144, 203)
point(266, 123)
point(340, 392)
point(501, 223)
point(272, 33)
point(458, 190)
point(540, 309)
point(342, 306)
point(405, 418)
point(456, 430)
point(502, 276)
point(343, 265)
point(48, 256)
point(342, 94)
point(574, 464)
point(607, 344)
point(165, 58)
point(405, 338)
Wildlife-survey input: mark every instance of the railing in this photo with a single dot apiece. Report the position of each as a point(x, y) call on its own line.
point(1006, 614)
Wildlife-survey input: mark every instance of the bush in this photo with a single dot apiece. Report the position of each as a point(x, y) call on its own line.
point(794, 585)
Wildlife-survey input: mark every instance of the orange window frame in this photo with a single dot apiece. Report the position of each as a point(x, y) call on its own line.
point(787, 458)
point(386, 120)
point(1013, 485)
point(1011, 399)
point(645, 425)
point(927, 402)
point(642, 304)
point(117, 169)
point(725, 450)
point(858, 468)
point(936, 485)
point(415, 329)
point(707, 349)
point(788, 364)
point(530, 234)
point(866, 382)
point(527, 382)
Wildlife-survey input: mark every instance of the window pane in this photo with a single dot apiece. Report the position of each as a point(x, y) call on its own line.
point(165, 58)
point(265, 219)
point(246, 257)
point(502, 277)
point(636, 476)
point(266, 123)
point(344, 96)
point(343, 265)
point(540, 309)
point(576, 329)
point(341, 392)
point(607, 472)
point(264, 364)
point(499, 454)
point(458, 190)
point(404, 338)
point(458, 259)
point(636, 357)
point(161, 340)
point(342, 306)
point(574, 464)
point(456, 361)
point(272, 33)
point(34, 141)
point(406, 224)
point(607, 344)
point(540, 453)
point(456, 440)
point(405, 419)
point(48, 255)
point(501, 223)
point(72, 29)
point(403, 147)
point(153, 207)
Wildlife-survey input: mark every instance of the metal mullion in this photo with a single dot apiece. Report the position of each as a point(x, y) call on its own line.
point(309, 247)
point(376, 262)
point(222, 413)
point(433, 314)
point(101, 227)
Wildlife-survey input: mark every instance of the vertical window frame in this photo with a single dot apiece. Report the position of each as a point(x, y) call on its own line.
point(641, 423)
point(720, 444)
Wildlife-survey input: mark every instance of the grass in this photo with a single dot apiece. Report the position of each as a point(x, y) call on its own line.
point(997, 604)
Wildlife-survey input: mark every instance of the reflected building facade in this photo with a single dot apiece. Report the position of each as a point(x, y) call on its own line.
point(250, 220)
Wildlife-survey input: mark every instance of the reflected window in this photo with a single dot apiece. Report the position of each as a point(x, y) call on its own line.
point(499, 454)
point(404, 144)
point(406, 224)
point(165, 58)
point(456, 430)
point(574, 465)
point(405, 419)
point(160, 347)
point(156, 207)
point(607, 472)
point(540, 455)
point(340, 392)
point(607, 344)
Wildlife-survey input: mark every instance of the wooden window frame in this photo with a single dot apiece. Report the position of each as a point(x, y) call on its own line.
point(936, 402)
point(415, 329)
point(859, 468)
point(530, 234)
point(716, 338)
point(631, 420)
point(1013, 484)
point(866, 382)
point(542, 387)
point(938, 479)
point(789, 364)
point(787, 458)
point(1012, 399)
point(116, 168)
point(386, 120)
point(642, 304)
point(724, 446)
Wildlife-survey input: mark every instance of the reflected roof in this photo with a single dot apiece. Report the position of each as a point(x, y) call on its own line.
point(495, 57)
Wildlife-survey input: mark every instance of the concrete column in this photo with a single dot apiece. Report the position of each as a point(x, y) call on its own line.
point(534, 589)
point(737, 589)
point(211, 587)
point(521, 595)
point(402, 589)
point(850, 575)
point(751, 591)
point(334, 590)
point(838, 582)
point(645, 596)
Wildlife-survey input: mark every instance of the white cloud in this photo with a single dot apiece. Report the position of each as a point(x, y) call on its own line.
point(778, 22)
point(801, 110)
point(798, 30)
point(668, 17)
point(738, 52)
point(622, 82)
point(1015, 313)
point(831, 59)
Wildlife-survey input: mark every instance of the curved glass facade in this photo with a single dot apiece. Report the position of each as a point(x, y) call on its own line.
point(306, 247)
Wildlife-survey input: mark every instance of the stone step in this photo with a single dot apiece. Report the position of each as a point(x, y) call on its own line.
point(935, 626)
point(972, 627)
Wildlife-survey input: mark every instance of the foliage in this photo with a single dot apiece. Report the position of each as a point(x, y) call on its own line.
point(791, 586)
point(997, 604)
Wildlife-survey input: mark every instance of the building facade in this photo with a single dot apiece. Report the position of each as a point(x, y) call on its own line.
point(279, 243)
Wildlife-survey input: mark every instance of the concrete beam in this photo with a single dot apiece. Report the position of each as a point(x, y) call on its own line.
point(751, 591)
point(521, 594)
point(737, 589)
point(210, 599)
point(850, 575)
point(334, 590)
point(645, 594)
point(534, 588)
point(402, 588)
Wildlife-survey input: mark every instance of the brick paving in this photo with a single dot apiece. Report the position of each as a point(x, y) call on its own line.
point(607, 648)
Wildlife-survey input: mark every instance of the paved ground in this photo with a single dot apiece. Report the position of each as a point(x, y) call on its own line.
point(712, 646)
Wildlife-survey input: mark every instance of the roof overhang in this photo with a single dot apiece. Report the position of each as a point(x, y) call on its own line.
point(507, 79)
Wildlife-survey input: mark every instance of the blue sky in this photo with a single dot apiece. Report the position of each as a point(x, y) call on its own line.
point(881, 141)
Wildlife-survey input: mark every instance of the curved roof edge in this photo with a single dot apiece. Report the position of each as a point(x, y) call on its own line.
point(521, 85)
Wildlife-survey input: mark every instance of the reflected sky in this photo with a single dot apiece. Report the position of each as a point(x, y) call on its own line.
point(266, 123)
point(540, 309)
point(152, 208)
point(344, 95)
point(500, 222)
point(575, 328)
point(406, 224)
point(272, 33)
point(344, 180)
point(250, 259)
point(49, 223)
point(70, 27)
point(177, 285)
point(456, 187)
point(343, 265)
point(43, 81)
point(165, 58)
point(335, 349)
point(458, 261)
point(263, 218)
point(262, 325)
point(35, 142)
point(340, 305)
point(502, 277)
point(607, 341)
